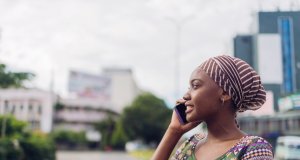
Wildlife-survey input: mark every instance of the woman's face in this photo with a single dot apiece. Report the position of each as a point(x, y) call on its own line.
point(203, 98)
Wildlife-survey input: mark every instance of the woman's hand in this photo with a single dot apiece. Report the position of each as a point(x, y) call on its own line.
point(175, 125)
point(172, 136)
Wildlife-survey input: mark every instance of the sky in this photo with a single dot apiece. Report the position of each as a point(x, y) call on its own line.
point(51, 37)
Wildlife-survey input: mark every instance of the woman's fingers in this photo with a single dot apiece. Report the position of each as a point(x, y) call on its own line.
point(180, 101)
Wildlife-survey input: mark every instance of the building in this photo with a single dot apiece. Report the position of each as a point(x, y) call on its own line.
point(94, 98)
point(243, 48)
point(80, 114)
point(115, 86)
point(272, 51)
point(31, 105)
point(123, 87)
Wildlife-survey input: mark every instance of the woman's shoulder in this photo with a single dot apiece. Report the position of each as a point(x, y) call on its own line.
point(256, 147)
point(186, 149)
point(250, 139)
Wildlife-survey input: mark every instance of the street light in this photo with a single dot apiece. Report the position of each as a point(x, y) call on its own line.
point(178, 25)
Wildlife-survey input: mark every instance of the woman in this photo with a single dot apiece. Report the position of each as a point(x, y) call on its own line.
point(219, 88)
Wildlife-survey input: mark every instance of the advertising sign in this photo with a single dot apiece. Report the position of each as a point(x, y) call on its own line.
point(89, 85)
point(289, 102)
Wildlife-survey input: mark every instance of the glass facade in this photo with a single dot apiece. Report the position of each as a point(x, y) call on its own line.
point(286, 32)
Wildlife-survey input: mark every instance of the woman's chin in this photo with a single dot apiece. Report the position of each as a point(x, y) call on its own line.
point(189, 118)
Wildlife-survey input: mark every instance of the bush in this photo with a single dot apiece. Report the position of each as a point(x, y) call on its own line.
point(13, 127)
point(20, 145)
point(106, 128)
point(10, 149)
point(119, 137)
point(38, 146)
point(69, 139)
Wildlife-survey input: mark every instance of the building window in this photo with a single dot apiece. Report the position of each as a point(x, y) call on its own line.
point(40, 110)
point(30, 108)
point(287, 127)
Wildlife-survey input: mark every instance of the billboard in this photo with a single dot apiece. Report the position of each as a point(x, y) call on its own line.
point(289, 102)
point(89, 85)
point(269, 58)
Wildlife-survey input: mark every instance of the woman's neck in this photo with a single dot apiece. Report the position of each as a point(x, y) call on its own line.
point(225, 129)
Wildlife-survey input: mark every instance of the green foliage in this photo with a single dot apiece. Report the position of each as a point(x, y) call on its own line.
point(21, 145)
point(9, 142)
point(13, 127)
point(13, 79)
point(119, 137)
point(70, 139)
point(106, 128)
point(58, 106)
point(38, 146)
point(10, 149)
point(146, 118)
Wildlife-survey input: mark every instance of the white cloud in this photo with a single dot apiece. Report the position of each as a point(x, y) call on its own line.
point(45, 36)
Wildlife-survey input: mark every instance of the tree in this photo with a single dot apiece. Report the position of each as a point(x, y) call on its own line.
point(13, 79)
point(106, 128)
point(69, 139)
point(21, 144)
point(11, 127)
point(146, 118)
point(118, 137)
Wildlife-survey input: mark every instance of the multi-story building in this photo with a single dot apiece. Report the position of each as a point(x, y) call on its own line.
point(31, 105)
point(97, 97)
point(272, 51)
point(80, 114)
point(123, 87)
point(94, 98)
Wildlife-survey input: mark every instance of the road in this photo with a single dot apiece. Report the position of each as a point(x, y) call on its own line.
point(92, 155)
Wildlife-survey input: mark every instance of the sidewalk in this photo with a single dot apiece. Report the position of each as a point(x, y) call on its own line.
point(92, 155)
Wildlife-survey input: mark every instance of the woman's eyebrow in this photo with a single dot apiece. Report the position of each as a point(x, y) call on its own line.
point(197, 79)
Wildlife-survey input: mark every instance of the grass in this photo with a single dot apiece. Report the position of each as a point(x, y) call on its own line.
point(142, 154)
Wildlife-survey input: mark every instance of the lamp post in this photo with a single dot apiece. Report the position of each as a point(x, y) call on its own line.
point(178, 25)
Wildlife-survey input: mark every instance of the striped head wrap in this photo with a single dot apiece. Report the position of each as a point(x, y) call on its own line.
point(238, 79)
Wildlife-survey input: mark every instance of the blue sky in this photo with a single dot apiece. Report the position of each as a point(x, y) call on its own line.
point(45, 37)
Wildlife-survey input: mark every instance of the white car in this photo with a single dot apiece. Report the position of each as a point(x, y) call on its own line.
point(287, 147)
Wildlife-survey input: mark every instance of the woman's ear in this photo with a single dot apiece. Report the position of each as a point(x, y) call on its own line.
point(225, 96)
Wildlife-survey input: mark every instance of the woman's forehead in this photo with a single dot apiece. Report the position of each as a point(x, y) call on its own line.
point(199, 74)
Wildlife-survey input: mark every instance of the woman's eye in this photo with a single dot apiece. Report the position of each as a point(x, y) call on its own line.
point(194, 86)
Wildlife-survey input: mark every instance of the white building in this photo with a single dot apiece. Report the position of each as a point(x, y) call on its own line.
point(94, 97)
point(79, 114)
point(31, 105)
point(123, 87)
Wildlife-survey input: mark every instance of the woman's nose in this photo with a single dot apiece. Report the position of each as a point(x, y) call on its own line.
point(186, 96)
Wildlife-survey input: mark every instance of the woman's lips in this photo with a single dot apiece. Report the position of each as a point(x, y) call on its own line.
point(188, 109)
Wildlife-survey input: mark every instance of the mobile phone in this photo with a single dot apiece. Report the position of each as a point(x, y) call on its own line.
point(180, 111)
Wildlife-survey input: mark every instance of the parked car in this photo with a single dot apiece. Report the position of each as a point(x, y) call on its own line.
point(288, 147)
point(135, 145)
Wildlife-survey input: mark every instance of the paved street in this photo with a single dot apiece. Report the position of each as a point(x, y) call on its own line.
point(94, 155)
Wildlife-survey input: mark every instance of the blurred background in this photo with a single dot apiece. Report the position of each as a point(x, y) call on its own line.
point(99, 79)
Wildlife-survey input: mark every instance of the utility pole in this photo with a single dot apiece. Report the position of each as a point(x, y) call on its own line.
point(5, 116)
point(178, 23)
